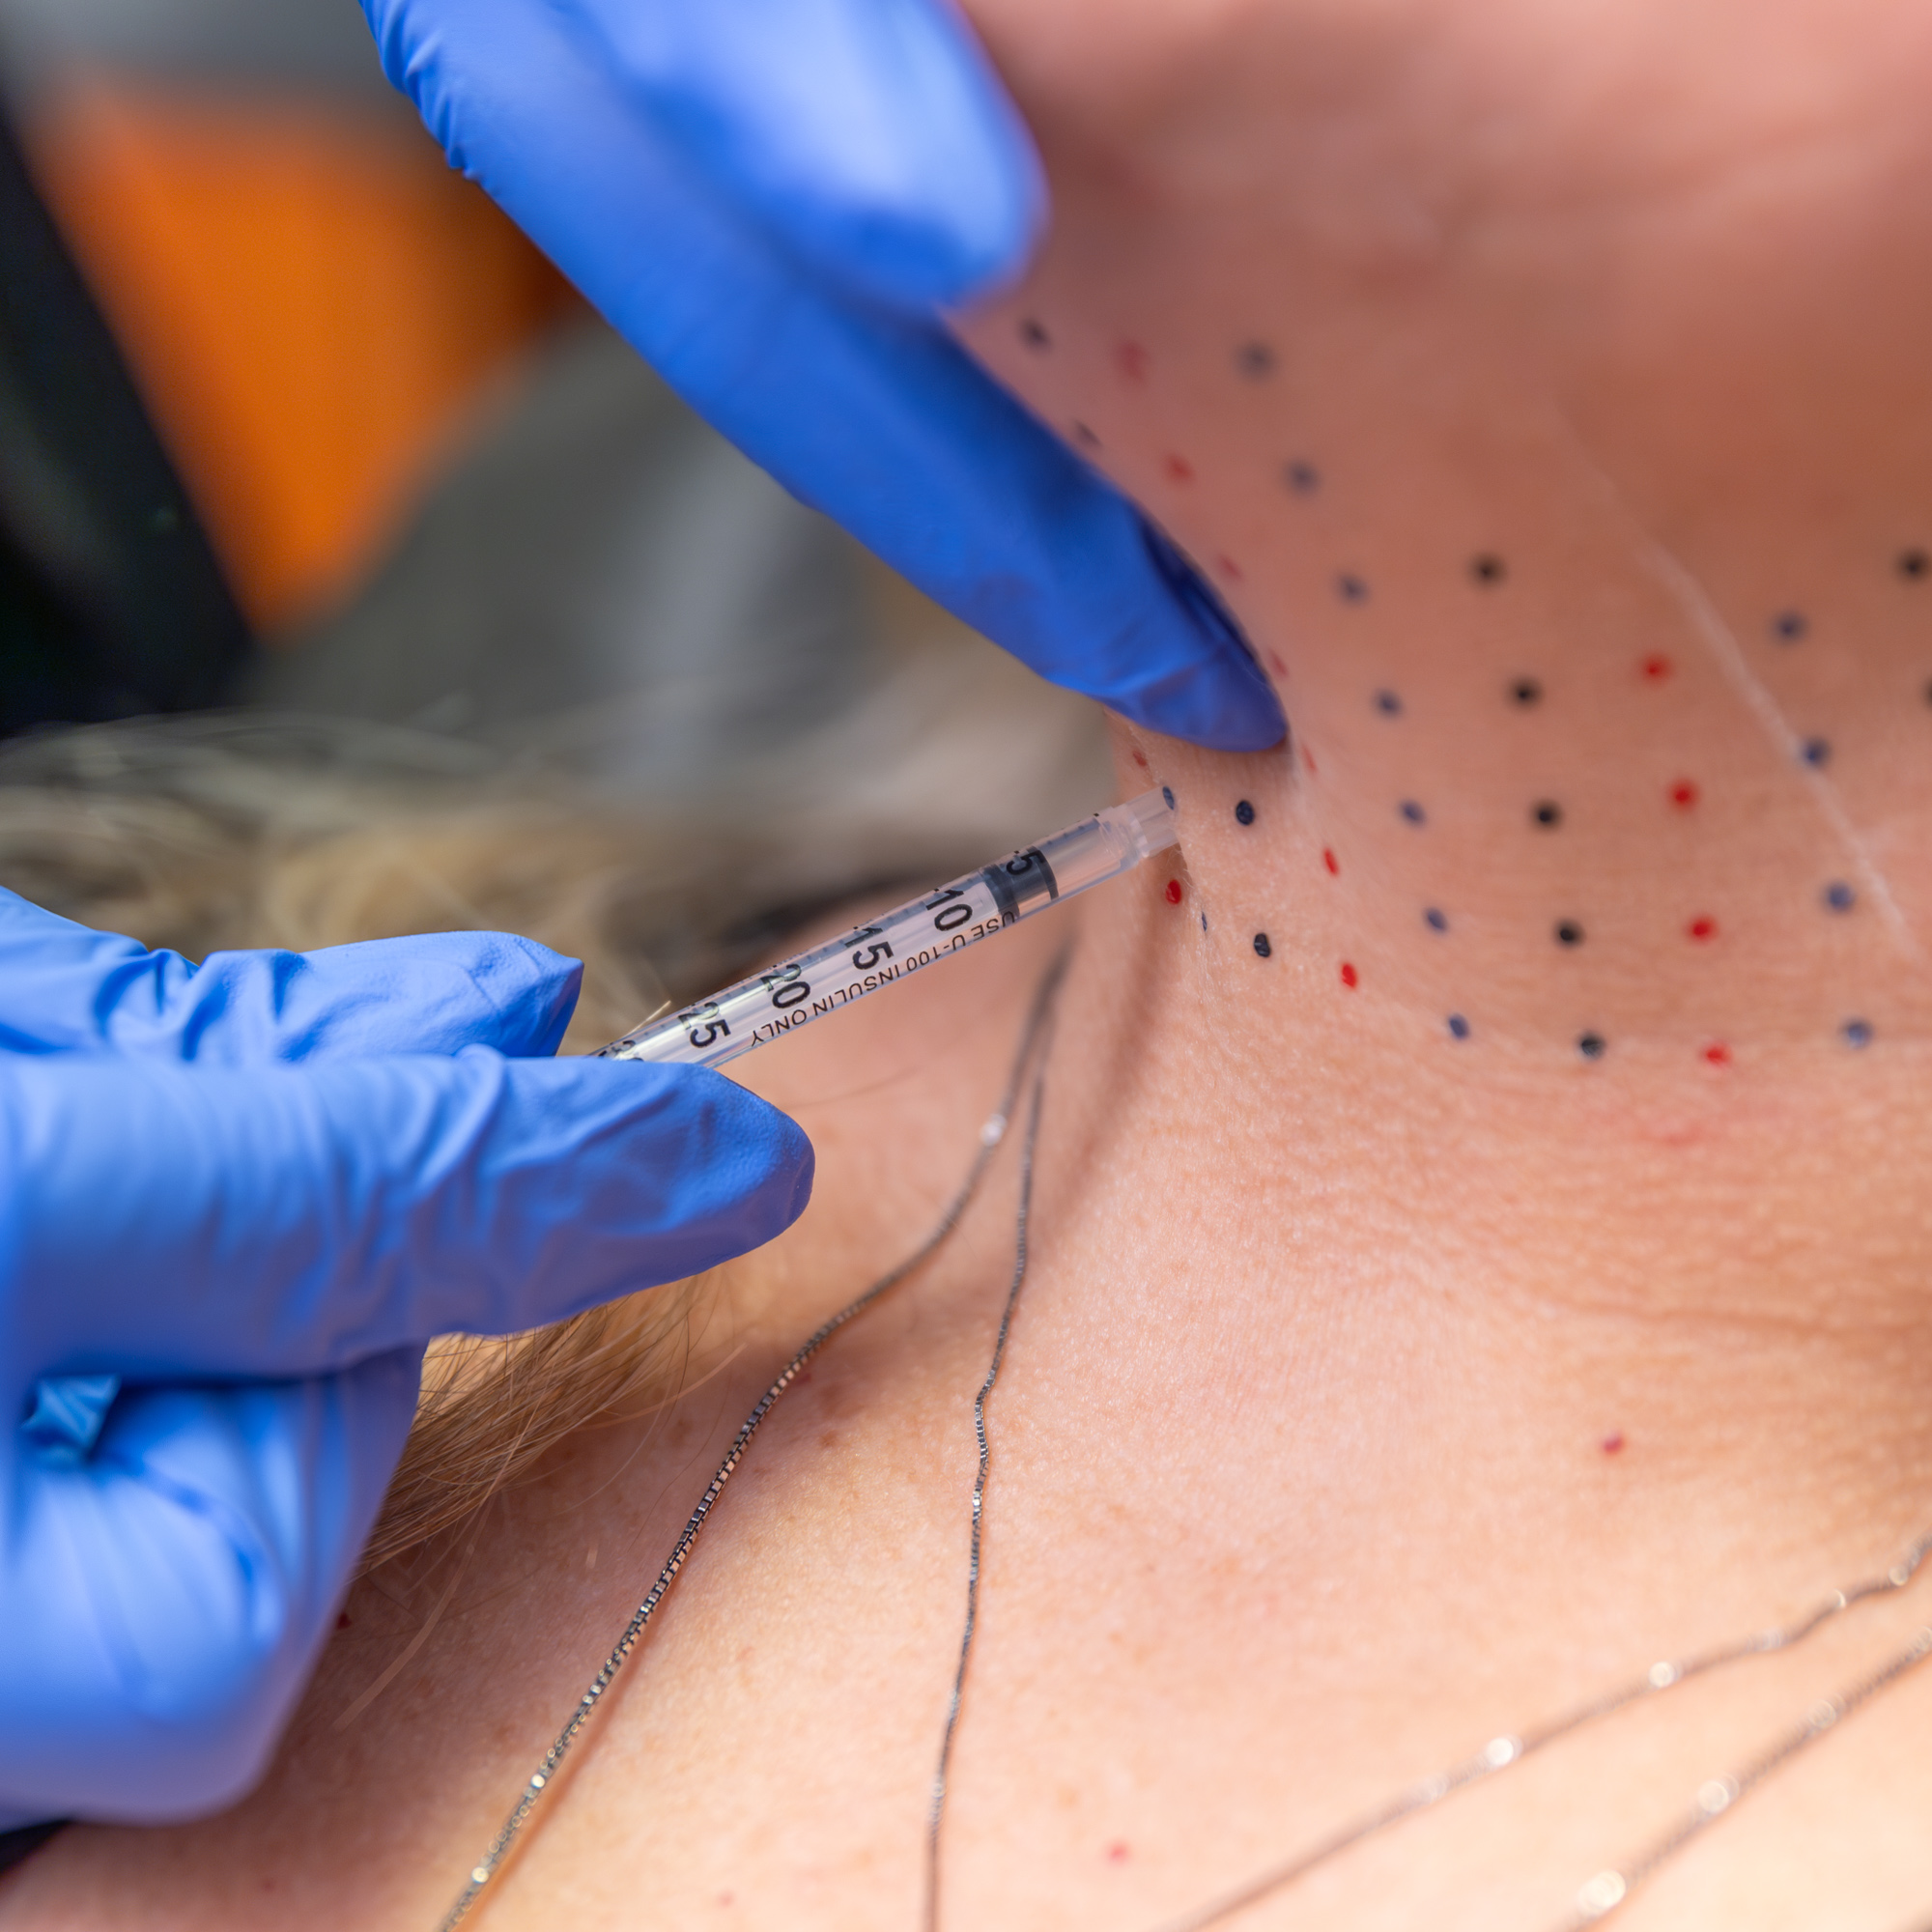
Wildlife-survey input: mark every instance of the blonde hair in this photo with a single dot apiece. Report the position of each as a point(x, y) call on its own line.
point(244, 830)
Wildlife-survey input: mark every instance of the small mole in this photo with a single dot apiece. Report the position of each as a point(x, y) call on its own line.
point(1437, 921)
point(1254, 360)
point(1928, 693)
point(1167, 792)
point(1262, 947)
point(1590, 1045)
point(1857, 1033)
point(1487, 569)
point(1914, 563)
point(1526, 690)
point(1350, 588)
point(1084, 436)
point(1228, 568)
point(1349, 976)
point(342, 1616)
point(1304, 478)
point(1459, 1027)
point(1245, 812)
point(1684, 794)
point(1656, 668)
point(1840, 896)
point(1131, 360)
point(1033, 335)
point(1174, 892)
point(1180, 469)
point(1328, 860)
point(1388, 704)
point(1612, 1444)
point(1815, 751)
point(1702, 928)
point(1717, 1054)
point(1568, 932)
point(1413, 812)
point(1547, 813)
point(1789, 626)
point(1119, 1852)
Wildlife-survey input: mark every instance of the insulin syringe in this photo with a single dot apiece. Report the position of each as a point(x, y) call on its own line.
point(906, 940)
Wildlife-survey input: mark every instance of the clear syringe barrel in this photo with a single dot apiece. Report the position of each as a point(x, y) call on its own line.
point(908, 939)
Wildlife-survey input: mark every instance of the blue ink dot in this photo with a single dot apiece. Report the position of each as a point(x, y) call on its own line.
point(1262, 947)
point(1815, 751)
point(1789, 626)
point(1351, 589)
point(1204, 921)
point(1590, 1045)
point(1167, 792)
point(1413, 812)
point(1302, 477)
point(1436, 920)
point(1245, 812)
point(1458, 1025)
point(1857, 1033)
point(1840, 896)
point(1388, 704)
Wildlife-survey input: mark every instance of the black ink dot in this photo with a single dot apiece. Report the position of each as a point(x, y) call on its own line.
point(1840, 896)
point(1789, 626)
point(1254, 360)
point(1526, 690)
point(1915, 563)
point(1033, 335)
point(1547, 813)
point(1487, 569)
point(1245, 812)
point(1084, 436)
point(1304, 478)
point(1568, 932)
point(1815, 751)
point(1350, 590)
point(1413, 812)
point(1459, 1027)
point(1590, 1045)
point(1857, 1033)
point(1436, 920)
point(1262, 947)
point(1388, 704)
point(1167, 792)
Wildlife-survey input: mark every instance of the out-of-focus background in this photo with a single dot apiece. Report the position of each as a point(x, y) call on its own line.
point(304, 446)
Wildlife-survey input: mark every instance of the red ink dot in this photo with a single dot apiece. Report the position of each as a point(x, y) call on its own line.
point(1280, 670)
point(1613, 1443)
point(1328, 860)
point(1174, 892)
point(1131, 358)
point(1349, 978)
point(1308, 759)
point(1656, 669)
point(1119, 1853)
point(1179, 468)
point(1702, 928)
point(342, 1620)
point(1719, 1055)
point(1229, 568)
point(1140, 758)
point(1684, 794)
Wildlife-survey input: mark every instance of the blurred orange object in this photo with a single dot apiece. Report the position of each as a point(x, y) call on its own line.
point(309, 298)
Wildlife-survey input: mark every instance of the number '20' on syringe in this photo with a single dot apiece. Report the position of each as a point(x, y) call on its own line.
point(896, 943)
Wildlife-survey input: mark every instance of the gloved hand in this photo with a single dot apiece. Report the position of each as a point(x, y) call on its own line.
point(774, 200)
point(238, 1200)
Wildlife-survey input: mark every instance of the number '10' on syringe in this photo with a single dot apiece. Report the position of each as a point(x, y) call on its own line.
point(899, 943)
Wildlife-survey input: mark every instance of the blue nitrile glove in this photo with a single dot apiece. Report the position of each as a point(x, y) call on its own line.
point(236, 1202)
point(774, 200)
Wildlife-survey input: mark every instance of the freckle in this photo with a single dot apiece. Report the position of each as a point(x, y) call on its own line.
point(1789, 626)
point(1717, 1054)
point(1131, 360)
point(1033, 335)
point(724, 1898)
point(1179, 468)
point(1119, 1853)
point(1255, 360)
point(1568, 932)
point(1684, 794)
point(1262, 947)
point(1436, 920)
point(1656, 668)
point(1229, 568)
point(1245, 812)
point(1547, 813)
point(1174, 892)
point(1084, 436)
point(1590, 1045)
point(1459, 1027)
point(1304, 478)
point(1388, 704)
point(1914, 563)
point(1487, 569)
point(1350, 588)
point(1815, 751)
point(1328, 860)
point(1413, 812)
point(342, 1620)
point(1349, 976)
point(1527, 692)
point(1702, 928)
point(1856, 1033)
point(1840, 896)
point(1613, 1443)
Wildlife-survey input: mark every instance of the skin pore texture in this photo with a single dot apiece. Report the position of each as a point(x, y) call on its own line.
point(1515, 1271)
